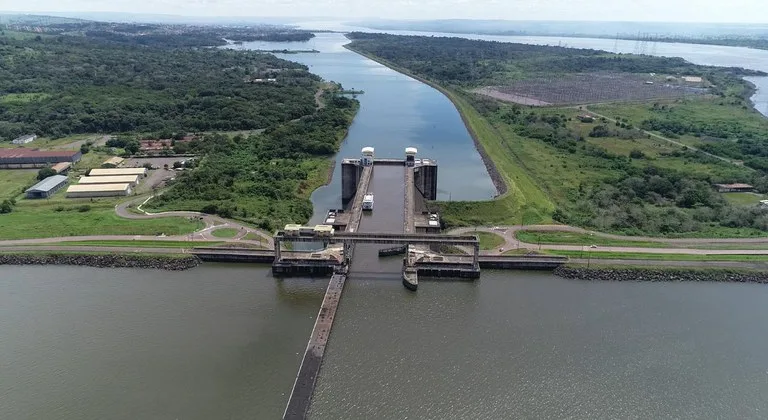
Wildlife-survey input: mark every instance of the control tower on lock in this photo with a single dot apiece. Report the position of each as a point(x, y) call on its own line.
point(424, 172)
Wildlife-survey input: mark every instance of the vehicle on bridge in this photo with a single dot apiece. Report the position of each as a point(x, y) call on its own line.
point(368, 202)
point(323, 230)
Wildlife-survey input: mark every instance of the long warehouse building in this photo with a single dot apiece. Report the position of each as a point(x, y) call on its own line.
point(120, 179)
point(142, 172)
point(98, 190)
point(20, 158)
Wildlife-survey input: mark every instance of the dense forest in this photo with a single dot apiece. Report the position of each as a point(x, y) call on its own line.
point(60, 85)
point(466, 62)
point(167, 36)
point(263, 179)
point(668, 193)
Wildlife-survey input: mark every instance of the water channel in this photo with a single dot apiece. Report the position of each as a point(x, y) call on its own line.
point(223, 341)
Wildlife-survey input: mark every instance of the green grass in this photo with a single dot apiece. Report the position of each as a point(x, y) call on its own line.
point(523, 195)
point(318, 170)
point(572, 238)
point(253, 237)
point(13, 180)
point(585, 239)
point(225, 233)
point(489, 240)
point(743, 199)
point(40, 219)
point(47, 143)
point(652, 256)
point(135, 243)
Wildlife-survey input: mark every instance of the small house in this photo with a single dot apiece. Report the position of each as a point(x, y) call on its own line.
point(737, 187)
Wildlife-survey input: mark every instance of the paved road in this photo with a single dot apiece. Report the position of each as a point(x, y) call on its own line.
point(212, 223)
point(676, 246)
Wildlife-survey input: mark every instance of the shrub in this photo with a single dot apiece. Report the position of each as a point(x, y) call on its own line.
point(45, 173)
point(84, 208)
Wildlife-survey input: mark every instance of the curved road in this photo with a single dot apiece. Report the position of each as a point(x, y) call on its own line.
point(211, 222)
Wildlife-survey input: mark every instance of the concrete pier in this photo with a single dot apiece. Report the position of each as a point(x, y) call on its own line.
point(304, 386)
point(408, 219)
point(356, 211)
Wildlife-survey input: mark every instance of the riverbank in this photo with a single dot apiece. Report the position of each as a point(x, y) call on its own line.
point(660, 274)
point(490, 165)
point(517, 192)
point(159, 262)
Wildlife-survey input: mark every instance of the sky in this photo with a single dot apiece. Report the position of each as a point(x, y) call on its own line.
point(747, 11)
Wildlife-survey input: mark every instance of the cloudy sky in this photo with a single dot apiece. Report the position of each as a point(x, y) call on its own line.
point(753, 11)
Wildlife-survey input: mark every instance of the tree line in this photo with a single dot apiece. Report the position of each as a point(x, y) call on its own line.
point(260, 178)
point(57, 86)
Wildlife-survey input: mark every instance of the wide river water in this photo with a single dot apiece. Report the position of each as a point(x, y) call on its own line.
point(224, 341)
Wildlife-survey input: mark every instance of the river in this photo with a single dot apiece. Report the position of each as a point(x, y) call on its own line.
point(224, 341)
point(708, 55)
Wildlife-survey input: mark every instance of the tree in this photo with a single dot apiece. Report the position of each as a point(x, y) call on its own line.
point(85, 148)
point(636, 154)
point(6, 207)
point(132, 147)
point(45, 173)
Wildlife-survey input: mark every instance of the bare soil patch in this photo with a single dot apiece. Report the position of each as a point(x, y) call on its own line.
point(587, 88)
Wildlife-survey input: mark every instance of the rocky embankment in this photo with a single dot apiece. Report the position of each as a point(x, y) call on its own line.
point(103, 261)
point(666, 274)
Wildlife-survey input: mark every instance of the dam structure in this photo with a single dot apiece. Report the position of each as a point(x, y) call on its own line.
point(385, 203)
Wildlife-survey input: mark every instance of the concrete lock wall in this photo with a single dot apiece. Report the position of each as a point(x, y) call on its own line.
point(425, 178)
point(350, 177)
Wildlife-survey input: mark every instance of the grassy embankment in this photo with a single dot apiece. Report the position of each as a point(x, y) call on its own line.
point(585, 239)
point(489, 240)
point(523, 198)
point(656, 256)
point(546, 169)
point(598, 255)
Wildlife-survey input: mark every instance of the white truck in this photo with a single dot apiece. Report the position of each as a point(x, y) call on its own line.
point(368, 202)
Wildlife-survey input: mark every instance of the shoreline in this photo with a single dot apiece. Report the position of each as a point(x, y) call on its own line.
point(490, 166)
point(662, 274)
point(101, 260)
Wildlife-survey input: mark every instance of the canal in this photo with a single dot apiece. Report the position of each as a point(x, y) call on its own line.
point(224, 341)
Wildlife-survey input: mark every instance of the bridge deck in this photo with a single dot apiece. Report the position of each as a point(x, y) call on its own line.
point(385, 238)
point(408, 220)
point(357, 204)
point(304, 386)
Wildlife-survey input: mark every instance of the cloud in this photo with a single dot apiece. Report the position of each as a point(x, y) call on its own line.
point(599, 10)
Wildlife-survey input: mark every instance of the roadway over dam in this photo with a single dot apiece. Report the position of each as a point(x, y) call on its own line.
point(400, 216)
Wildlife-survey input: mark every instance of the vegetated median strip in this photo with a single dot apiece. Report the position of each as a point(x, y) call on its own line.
point(585, 239)
point(657, 256)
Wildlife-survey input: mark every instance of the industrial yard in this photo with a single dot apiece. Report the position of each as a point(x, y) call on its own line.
point(585, 88)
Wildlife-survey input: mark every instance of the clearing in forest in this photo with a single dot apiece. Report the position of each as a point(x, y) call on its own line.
point(584, 88)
